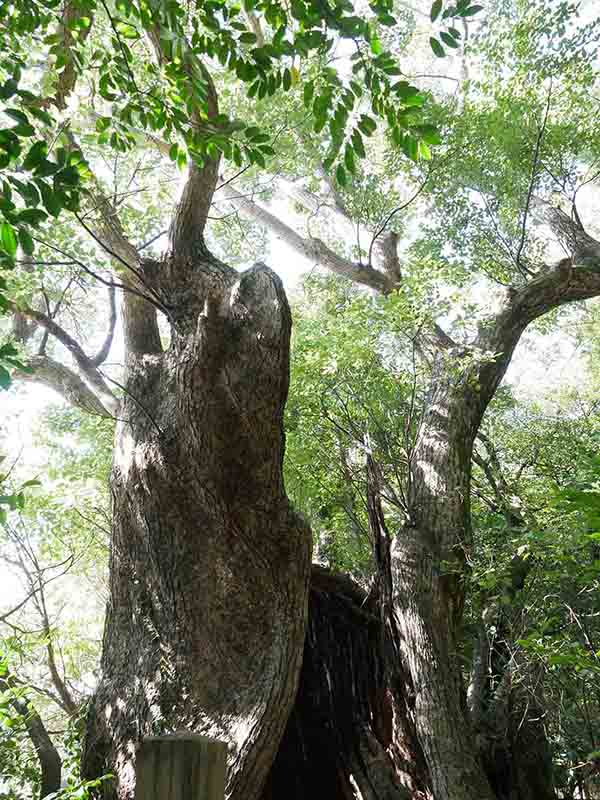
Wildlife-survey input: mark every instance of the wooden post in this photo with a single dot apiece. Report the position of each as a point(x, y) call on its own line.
point(186, 767)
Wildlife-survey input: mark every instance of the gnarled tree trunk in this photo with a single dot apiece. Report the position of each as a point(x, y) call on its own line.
point(209, 564)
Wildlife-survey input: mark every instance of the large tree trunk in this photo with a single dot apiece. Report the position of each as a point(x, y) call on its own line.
point(430, 554)
point(428, 563)
point(209, 568)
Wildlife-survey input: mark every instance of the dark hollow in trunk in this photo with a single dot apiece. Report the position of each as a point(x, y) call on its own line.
point(343, 733)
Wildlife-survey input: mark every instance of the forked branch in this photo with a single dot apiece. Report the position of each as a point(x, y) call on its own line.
point(189, 221)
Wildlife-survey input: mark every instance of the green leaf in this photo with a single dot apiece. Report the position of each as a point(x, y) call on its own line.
point(32, 216)
point(367, 125)
point(449, 40)
point(5, 380)
point(27, 191)
point(8, 240)
point(50, 199)
point(320, 123)
point(340, 175)
point(127, 31)
point(309, 91)
point(469, 12)
point(8, 89)
point(356, 88)
point(103, 124)
point(36, 154)
point(24, 130)
point(31, 482)
point(429, 134)
point(26, 241)
point(358, 145)
point(436, 10)
point(349, 159)
point(410, 147)
point(437, 47)
point(17, 115)
point(424, 151)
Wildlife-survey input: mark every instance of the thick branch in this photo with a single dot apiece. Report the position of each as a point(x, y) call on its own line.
point(464, 381)
point(256, 29)
point(564, 284)
point(314, 204)
point(66, 383)
point(85, 364)
point(189, 221)
point(102, 354)
point(570, 232)
point(313, 250)
point(335, 195)
point(140, 323)
point(388, 247)
point(72, 12)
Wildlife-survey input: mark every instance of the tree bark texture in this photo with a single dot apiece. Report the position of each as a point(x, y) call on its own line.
point(209, 564)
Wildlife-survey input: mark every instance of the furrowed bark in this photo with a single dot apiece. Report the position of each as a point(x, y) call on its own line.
point(402, 739)
point(209, 564)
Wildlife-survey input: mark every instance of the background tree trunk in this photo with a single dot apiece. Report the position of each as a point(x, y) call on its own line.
point(50, 762)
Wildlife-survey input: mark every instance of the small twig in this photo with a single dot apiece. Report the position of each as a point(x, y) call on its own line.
point(534, 168)
point(160, 305)
point(392, 214)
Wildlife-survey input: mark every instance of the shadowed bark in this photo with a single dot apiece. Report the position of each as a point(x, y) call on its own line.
point(344, 732)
